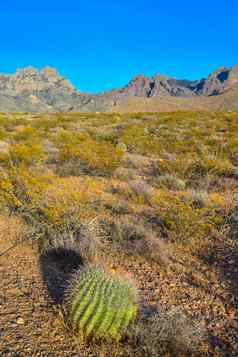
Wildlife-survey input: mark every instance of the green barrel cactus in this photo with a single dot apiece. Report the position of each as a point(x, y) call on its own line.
point(101, 305)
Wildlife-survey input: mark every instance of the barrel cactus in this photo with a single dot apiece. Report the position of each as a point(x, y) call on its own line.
point(101, 305)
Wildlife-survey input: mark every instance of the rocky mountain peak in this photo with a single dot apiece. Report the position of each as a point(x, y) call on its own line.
point(161, 77)
point(32, 89)
point(157, 85)
point(26, 72)
point(218, 81)
point(33, 80)
point(49, 72)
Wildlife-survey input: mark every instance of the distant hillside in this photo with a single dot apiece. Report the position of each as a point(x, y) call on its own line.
point(44, 90)
point(226, 101)
point(159, 85)
point(30, 89)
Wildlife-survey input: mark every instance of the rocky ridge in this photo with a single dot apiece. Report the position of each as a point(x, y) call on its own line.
point(44, 90)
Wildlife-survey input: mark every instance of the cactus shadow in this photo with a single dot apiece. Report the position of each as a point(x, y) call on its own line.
point(57, 265)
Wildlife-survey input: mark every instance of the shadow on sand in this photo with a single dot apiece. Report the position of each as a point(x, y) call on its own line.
point(57, 266)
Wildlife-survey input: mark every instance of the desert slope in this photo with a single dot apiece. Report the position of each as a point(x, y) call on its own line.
point(226, 101)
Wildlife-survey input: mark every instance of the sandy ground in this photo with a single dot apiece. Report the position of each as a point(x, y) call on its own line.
point(31, 325)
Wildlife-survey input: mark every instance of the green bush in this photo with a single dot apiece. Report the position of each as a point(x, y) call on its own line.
point(101, 305)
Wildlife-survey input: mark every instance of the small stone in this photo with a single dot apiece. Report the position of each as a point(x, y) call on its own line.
point(4, 147)
point(122, 146)
point(20, 321)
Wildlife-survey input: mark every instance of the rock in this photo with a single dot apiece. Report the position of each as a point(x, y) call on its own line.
point(122, 146)
point(20, 321)
point(160, 85)
point(51, 149)
point(4, 147)
point(218, 82)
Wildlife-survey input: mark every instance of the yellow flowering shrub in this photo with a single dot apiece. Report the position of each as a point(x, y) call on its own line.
point(183, 222)
point(26, 153)
point(72, 197)
point(27, 133)
point(21, 187)
point(93, 156)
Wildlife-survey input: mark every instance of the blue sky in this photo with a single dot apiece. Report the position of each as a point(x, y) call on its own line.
point(102, 44)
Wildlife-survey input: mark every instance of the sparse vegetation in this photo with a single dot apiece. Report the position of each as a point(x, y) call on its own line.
point(171, 182)
point(153, 198)
point(169, 332)
point(232, 222)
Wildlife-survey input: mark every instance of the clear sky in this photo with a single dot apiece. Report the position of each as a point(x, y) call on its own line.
point(102, 44)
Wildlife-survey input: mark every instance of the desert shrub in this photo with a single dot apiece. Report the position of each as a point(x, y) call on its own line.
point(21, 188)
point(71, 167)
point(218, 200)
point(92, 156)
point(26, 134)
point(118, 206)
point(59, 216)
point(222, 168)
point(209, 165)
point(45, 123)
point(154, 249)
point(67, 210)
point(65, 137)
point(28, 154)
point(233, 155)
point(101, 305)
point(232, 222)
point(198, 199)
point(124, 174)
point(3, 134)
point(72, 197)
point(140, 191)
point(168, 333)
point(127, 229)
point(129, 235)
point(51, 150)
point(76, 236)
point(171, 182)
point(104, 135)
point(182, 221)
point(143, 165)
point(197, 169)
point(58, 210)
point(139, 140)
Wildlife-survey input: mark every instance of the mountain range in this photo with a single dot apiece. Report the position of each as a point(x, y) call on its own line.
point(44, 90)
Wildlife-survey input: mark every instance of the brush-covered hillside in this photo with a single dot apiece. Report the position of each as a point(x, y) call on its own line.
point(144, 207)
